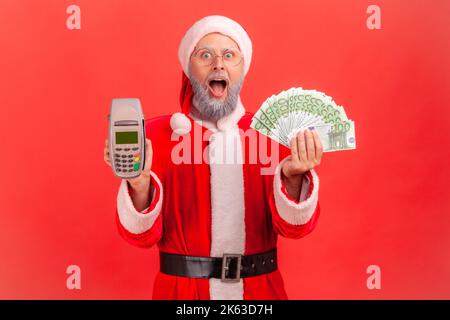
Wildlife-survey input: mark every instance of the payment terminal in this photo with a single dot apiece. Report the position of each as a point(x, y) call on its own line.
point(126, 138)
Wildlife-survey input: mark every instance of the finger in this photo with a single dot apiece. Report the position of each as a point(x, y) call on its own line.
point(318, 146)
point(107, 145)
point(148, 155)
point(107, 161)
point(105, 151)
point(106, 156)
point(311, 150)
point(106, 148)
point(294, 149)
point(301, 146)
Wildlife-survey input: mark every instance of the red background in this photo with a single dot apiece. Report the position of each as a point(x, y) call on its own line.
point(386, 203)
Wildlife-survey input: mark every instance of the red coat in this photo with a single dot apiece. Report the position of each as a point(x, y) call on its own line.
point(207, 209)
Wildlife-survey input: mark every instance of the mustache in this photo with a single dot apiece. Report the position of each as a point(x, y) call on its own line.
point(218, 74)
point(212, 109)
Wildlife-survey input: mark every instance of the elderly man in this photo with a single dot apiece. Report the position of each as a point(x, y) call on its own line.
point(216, 223)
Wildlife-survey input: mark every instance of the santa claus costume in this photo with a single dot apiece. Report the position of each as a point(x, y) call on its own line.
point(215, 207)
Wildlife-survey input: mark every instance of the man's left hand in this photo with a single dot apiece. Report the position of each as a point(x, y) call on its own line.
point(306, 154)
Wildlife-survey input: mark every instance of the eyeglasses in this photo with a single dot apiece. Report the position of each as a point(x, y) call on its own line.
point(205, 57)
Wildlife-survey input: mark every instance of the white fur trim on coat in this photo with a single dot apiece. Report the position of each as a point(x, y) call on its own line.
point(290, 211)
point(227, 206)
point(132, 220)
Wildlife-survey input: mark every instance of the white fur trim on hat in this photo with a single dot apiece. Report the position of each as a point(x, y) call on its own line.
point(180, 124)
point(212, 24)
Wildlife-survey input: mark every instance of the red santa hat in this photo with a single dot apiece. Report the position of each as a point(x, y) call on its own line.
point(210, 24)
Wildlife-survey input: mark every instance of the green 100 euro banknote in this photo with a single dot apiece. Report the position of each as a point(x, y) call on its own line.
point(283, 115)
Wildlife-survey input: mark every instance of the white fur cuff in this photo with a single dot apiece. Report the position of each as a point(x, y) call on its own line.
point(132, 220)
point(292, 212)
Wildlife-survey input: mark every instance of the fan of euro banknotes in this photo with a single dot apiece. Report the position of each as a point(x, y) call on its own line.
point(283, 115)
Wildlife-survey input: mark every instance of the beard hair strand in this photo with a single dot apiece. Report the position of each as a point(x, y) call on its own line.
point(213, 109)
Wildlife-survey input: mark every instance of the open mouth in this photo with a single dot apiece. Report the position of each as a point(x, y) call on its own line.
point(217, 87)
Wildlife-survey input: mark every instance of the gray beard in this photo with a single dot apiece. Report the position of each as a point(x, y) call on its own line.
point(212, 109)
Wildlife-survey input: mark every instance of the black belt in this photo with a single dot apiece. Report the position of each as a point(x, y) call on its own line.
point(229, 268)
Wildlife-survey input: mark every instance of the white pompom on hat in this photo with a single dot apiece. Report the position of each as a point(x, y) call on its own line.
point(180, 124)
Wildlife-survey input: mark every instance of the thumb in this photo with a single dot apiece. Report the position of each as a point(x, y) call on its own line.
point(148, 156)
